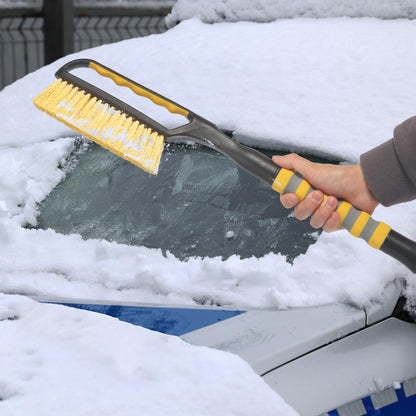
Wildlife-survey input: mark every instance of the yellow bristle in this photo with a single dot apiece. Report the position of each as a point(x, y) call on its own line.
point(46, 99)
point(70, 100)
point(76, 106)
point(98, 118)
point(118, 145)
point(105, 125)
point(102, 117)
point(120, 127)
point(139, 133)
point(62, 93)
point(86, 107)
point(132, 130)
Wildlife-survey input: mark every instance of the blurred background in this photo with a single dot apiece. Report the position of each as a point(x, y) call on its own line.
point(37, 32)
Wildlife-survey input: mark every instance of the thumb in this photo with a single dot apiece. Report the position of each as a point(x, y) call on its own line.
point(295, 162)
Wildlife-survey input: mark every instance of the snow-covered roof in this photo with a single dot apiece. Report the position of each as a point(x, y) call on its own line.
point(214, 11)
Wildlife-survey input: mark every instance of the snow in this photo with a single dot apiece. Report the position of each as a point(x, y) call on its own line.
point(108, 374)
point(334, 86)
point(212, 11)
point(329, 96)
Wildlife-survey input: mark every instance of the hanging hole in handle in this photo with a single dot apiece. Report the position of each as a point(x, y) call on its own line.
point(157, 112)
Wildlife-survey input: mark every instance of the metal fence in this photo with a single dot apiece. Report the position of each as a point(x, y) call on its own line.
point(22, 45)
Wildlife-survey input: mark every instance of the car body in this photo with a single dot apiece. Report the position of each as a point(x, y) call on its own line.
point(335, 359)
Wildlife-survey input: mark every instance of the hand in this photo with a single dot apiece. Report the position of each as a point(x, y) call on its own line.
point(346, 182)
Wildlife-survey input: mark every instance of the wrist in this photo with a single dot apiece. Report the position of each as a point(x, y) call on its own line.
point(365, 196)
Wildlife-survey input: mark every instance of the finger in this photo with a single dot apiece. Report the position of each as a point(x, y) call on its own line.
point(333, 223)
point(324, 212)
point(294, 162)
point(309, 205)
point(289, 200)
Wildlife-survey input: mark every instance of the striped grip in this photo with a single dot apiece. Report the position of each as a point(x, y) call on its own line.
point(357, 223)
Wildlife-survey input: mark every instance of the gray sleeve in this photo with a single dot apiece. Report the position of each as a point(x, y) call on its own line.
point(390, 169)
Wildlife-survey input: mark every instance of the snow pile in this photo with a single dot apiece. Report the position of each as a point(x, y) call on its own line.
point(116, 369)
point(212, 11)
point(67, 266)
point(25, 181)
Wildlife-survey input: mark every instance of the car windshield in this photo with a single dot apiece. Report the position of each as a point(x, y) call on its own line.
point(199, 204)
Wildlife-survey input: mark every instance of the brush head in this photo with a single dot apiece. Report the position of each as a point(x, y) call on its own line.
point(109, 127)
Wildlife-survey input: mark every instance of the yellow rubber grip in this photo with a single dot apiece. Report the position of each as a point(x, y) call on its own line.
point(282, 179)
point(379, 235)
point(173, 108)
point(357, 223)
point(302, 189)
point(343, 210)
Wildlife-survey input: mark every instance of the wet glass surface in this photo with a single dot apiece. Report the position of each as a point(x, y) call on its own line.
point(199, 204)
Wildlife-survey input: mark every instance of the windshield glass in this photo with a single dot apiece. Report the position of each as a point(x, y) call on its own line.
point(199, 204)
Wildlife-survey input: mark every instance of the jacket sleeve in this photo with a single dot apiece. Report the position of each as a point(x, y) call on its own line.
point(390, 169)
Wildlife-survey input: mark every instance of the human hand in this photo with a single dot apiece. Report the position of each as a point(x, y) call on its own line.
point(346, 182)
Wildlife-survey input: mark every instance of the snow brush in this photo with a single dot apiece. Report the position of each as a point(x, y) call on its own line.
point(136, 137)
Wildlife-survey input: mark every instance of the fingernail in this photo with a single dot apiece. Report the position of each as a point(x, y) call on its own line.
point(316, 197)
point(331, 202)
point(293, 200)
point(335, 219)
